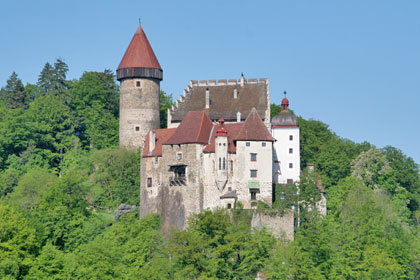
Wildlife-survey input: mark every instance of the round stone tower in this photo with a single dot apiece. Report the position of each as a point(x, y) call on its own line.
point(139, 74)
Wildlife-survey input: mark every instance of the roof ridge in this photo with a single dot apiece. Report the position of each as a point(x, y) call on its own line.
point(201, 126)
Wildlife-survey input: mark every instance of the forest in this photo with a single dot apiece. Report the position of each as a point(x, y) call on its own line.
point(62, 176)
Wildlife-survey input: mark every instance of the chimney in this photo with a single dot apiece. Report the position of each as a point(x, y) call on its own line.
point(242, 80)
point(311, 167)
point(235, 93)
point(238, 117)
point(152, 141)
point(207, 98)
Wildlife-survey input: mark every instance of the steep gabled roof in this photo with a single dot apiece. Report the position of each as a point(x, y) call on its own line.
point(139, 53)
point(253, 129)
point(194, 128)
point(162, 135)
point(232, 130)
point(253, 93)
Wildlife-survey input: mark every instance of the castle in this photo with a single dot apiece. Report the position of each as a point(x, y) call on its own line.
point(219, 149)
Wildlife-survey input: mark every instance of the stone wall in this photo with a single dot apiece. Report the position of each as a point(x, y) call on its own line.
point(280, 225)
point(139, 110)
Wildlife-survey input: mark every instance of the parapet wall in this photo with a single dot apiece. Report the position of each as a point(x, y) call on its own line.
point(280, 225)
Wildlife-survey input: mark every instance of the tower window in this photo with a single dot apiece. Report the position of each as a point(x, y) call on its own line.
point(290, 150)
point(253, 157)
point(253, 173)
point(138, 84)
point(290, 165)
point(290, 137)
point(149, 182)
point(137, 128)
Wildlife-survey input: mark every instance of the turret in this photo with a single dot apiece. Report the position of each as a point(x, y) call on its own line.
point(286, 153)
point(139, 74)
point(221, 155)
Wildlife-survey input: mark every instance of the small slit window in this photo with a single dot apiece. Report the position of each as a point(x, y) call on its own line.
point(290, 137)
point(229, 206)
point(156, 160)
point(224, 163)
point(137, 128)
point(290, 165)
point(138, 84)
point(231, 166)
point(290, 150)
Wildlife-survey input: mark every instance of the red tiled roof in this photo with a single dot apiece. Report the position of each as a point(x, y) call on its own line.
point(319, 184)
point(139, 53)
point(194, 128)
point(162, 135)
point(232, 130)
point(253, 129)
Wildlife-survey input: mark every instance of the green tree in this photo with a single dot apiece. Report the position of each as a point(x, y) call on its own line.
point(166, 103)
point(14, 94)
point(18, 244)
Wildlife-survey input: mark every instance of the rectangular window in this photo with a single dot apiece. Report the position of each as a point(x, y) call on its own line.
point(156, 160)
point(253, 173)
point(263, 144)
point(138, 84)
point(290, 165)
point(290, 137)
point(149, 182)
point(248, 144)
point(290, 150)
point(289, 181)
point(179, 156)
point(253, 157)
point(137, 128)
point(224, 163)
point(229, 206)
point(231, 166)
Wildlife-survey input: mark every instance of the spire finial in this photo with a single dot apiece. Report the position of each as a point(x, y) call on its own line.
point(285, 93)
point(140, 21)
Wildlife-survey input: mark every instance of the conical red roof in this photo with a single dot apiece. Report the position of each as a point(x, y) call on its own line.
point(139, 53)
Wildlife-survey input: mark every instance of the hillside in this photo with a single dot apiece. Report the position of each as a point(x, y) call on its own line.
point(62, 176)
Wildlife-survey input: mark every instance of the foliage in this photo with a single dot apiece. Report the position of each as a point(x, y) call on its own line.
point(166, 103)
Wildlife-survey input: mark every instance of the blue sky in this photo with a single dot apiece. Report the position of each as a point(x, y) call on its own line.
point(354, 65)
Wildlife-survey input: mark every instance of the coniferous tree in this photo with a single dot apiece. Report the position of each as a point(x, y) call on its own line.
point(13, 94)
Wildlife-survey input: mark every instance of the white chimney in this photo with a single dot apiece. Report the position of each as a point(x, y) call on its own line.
point(207, 98)
point(152, 141)
point(235, 93)
point(238, 117)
